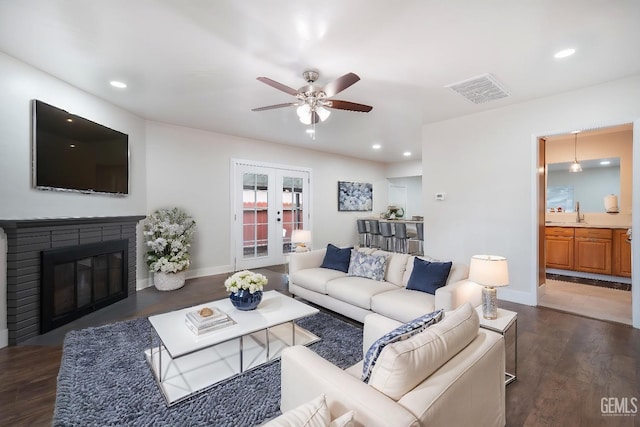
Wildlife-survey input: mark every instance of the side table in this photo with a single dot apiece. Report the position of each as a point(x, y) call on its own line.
point(505, 324)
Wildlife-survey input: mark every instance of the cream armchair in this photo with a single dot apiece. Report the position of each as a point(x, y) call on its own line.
point(468, 372)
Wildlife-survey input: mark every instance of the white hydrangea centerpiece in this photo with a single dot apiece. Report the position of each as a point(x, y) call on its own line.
point(168, 233)
point(245, 279)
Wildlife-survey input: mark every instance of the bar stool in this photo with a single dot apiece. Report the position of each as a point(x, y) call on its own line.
point(400, 236)
point(386, 232)
point(363, 235)
point(374, 233)
point(420, 237)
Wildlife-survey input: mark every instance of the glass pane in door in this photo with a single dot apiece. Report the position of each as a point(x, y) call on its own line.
point(292, 209)
point(255, 205)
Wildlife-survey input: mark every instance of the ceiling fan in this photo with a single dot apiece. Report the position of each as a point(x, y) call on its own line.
point(313, 102)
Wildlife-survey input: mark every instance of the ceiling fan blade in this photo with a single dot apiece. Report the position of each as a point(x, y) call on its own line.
point(346, 105)
point(340, 84)
point(277, 85)
point(271, 107)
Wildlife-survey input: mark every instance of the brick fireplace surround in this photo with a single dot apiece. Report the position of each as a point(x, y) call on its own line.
point(26, 239)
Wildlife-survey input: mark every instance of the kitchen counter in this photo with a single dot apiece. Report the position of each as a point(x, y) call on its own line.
point(404, 220)
point(584, 225)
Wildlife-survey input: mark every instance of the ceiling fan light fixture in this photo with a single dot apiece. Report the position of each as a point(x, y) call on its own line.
point(312, 102)
point(303, 111)
point(305, 120)
point(323, 113)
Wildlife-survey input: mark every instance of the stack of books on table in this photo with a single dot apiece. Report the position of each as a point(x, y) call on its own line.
point(206, 320)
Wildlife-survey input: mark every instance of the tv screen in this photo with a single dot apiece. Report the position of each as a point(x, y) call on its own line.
point(71, 153)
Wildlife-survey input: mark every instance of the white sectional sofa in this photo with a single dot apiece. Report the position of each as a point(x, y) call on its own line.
point(356, 297)
point(451, 374)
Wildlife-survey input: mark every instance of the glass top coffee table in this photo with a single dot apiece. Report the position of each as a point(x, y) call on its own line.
point(185, 364)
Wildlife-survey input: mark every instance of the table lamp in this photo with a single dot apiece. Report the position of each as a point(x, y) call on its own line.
point(490, 271)
point(300, 238)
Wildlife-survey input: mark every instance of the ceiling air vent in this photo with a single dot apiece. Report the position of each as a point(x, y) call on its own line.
point(480, 89)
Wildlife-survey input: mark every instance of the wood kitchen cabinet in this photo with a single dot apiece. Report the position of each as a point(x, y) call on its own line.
point(559, 247)
point(590, 250)
point(621, 254)
point(593, 250)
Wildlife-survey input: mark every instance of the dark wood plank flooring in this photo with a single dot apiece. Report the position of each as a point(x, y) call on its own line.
point(566, 363)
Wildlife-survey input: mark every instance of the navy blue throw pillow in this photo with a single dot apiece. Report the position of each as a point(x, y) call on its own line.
point(337, 258)
point(428, 276)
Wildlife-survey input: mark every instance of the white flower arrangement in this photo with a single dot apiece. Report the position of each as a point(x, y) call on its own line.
point(245, 279)
point(168, 233)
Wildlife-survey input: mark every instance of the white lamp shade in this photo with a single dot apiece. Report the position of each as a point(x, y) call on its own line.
point(304, 114)
point(489, 270)
point(323, 113)
point(301, 236)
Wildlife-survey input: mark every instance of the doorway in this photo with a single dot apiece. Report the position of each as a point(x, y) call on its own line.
point(269, 203)
point(582, 273)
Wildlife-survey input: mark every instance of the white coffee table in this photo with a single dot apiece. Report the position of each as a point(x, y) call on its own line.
point(185, 364)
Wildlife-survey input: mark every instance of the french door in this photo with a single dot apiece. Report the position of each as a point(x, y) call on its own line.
point(269, 203)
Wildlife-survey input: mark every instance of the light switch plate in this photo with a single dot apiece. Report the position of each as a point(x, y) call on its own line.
point(441, 197)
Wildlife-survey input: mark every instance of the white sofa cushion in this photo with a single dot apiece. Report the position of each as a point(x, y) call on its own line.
point(311, 414)
point(357, 290)
point(403, 365)
point(396, 265)
point(315, 279)
point(402, 332)
point(403, 304)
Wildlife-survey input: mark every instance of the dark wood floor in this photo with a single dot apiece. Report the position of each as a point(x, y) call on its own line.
point(566, 363)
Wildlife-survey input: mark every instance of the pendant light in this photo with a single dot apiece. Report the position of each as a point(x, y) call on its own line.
point(575, 166)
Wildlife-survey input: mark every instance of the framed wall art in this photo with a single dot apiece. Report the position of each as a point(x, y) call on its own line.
point(355, 196)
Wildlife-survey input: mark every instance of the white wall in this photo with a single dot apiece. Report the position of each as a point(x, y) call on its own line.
point(19, 84)
point(404, 169)
point(486, 163)
point(191, 168)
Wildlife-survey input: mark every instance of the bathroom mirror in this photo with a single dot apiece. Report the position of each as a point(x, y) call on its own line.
point(589, 187)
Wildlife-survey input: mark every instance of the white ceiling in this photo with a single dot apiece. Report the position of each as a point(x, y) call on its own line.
point(194, 63)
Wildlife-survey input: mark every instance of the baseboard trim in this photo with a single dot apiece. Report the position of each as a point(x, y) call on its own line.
point(147, 282)
point(516, 296)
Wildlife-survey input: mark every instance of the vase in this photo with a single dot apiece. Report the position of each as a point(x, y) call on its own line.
point(244, 300)
point(168, 281)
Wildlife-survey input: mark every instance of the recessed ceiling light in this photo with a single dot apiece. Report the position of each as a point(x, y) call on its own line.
point(406, 153)
point(376, 146)
point(119, 85)
point(605, 162)
point(70, 120)
point(72, 145)
point(564, 53)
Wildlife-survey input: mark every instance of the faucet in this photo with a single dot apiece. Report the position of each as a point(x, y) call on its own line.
point(578, 219)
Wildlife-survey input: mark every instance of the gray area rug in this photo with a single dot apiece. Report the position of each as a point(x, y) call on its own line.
point(104, 380)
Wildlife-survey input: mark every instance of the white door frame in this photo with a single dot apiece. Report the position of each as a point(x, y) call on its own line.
point(635, 218)
point(233, 202)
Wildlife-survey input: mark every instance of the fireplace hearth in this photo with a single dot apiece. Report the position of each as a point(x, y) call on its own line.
point(89, 262)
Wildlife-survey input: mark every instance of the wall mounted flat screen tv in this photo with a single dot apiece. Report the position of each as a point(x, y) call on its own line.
point(71, 153)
